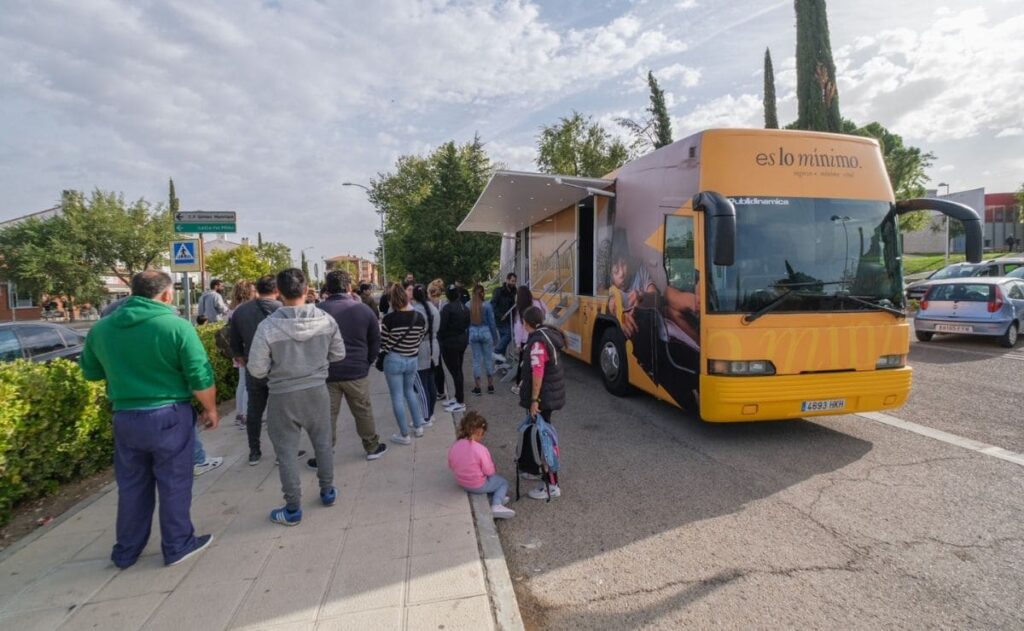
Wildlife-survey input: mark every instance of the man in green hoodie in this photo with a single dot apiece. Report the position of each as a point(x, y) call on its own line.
point(153, 363)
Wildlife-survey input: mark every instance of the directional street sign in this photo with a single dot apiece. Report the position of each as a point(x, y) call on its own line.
point(202, 221)
point(185, 256)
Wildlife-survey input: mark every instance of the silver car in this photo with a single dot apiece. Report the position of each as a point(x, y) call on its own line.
point(973, 306)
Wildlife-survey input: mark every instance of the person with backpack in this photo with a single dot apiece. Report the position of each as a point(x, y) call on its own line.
point(524, 300)
point(483, 335)
point(543, 387)
point(430, 352)
point(473, 466)
point(453, 337)
point(402, 329)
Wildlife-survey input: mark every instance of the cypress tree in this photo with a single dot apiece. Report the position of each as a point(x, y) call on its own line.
point(662, 123)
point(259, 239)
point(172, 199)
point(816, 90)
point(771, 117)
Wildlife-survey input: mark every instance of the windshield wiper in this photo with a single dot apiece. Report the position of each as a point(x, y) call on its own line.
point(867, 301)
point(813, 283)
point(775, 303)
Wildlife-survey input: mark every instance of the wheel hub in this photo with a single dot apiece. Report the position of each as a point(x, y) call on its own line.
point(610, 361)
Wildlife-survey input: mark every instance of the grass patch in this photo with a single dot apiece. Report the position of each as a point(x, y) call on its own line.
point(918, 263)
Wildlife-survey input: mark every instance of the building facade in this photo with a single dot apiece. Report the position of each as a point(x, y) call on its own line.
point(1002, 221)
point(362, 270)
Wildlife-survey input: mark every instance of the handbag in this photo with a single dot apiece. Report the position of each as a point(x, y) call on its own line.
point(379, 364)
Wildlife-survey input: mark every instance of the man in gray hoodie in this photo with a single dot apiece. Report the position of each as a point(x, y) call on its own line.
point(293, 348)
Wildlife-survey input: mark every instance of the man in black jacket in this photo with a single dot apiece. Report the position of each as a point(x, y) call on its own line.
point(241, 329)
point(348, 377)
point(503, 300)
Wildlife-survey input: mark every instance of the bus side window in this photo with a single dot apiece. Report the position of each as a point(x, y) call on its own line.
point(679, 253)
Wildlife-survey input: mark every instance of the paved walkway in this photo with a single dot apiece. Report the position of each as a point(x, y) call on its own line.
point(398, 551)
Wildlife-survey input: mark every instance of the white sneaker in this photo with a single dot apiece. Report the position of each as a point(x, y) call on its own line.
point(502, 512)
point(514, 389)
point(448, 405)
point(498, 358)
point(541, 493)
point(209, 465)
point(417, 432)
point(458, 407)
point(429, 422)
point(401, 440)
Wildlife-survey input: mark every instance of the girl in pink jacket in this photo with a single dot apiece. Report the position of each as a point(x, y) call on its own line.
point(473, 467)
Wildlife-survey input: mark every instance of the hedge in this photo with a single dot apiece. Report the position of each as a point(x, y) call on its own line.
point(57, 427)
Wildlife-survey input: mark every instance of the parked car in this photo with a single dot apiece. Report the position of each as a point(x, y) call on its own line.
point(973, 306)
point(39, 341)
point(995, 267)
point(1017, 273)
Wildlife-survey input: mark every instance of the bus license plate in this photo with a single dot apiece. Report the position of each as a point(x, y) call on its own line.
point(954, 328)
point(823, 406)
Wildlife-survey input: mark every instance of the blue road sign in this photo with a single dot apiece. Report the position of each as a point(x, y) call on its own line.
point(185, 255)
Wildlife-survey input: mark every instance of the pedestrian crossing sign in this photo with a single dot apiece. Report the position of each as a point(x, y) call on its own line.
point(185, 256)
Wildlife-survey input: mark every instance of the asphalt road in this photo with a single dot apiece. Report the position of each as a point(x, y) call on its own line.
point(840, 522)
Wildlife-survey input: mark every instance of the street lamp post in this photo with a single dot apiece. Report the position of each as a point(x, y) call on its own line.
point(947, 222)
point(383, 254)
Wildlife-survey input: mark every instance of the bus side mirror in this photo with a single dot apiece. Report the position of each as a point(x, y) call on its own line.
point(721, 216)
point(967, 216)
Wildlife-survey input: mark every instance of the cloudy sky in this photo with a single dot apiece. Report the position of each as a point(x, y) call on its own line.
point(265, 107)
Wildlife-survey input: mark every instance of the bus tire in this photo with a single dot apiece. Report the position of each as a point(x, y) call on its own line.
point(924, 336)
point(613, 363)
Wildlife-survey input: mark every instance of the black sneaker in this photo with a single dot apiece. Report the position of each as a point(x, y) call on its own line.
point(490, 389)
point(378, 452)
point(311, 464)
point(201, 542)
point(477, 392)
point(254, 458)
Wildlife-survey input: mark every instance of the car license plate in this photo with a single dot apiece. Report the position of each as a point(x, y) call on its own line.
point(823, 406)
point(954, 328)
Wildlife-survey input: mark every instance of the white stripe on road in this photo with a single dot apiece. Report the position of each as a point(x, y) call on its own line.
point(946, 437)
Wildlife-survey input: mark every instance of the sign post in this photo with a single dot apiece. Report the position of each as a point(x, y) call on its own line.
point(186, 256)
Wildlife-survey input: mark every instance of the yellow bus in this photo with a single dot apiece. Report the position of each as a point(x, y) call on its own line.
point(744, 274)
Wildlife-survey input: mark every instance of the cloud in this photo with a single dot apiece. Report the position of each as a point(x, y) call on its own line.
point(685, 5)
point(1010, 132)
point(745, 110)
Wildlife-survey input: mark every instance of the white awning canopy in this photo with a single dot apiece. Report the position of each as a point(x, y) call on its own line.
point(513, 200)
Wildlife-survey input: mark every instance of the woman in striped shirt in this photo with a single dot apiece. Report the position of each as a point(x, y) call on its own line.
point(402, 330)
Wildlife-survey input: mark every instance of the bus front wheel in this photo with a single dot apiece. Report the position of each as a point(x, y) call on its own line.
point(614, 363)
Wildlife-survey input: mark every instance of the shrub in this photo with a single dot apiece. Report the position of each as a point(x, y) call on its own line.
point(224, 371)
point(54, 427)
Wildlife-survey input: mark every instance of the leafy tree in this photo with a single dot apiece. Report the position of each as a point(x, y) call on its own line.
point(577, 145)
point(424, 200)
point(816, 89)
point(248, 263)
point(39, 257)
point(118, 237)
point(771, 117)
point(655, 131)
point(1020, 203)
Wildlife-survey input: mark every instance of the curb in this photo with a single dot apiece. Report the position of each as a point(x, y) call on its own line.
point(499, 583)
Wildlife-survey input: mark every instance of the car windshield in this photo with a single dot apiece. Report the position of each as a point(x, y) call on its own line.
point(960, 292)
point(1017, 273)
point(956, 271)
point(827, 249)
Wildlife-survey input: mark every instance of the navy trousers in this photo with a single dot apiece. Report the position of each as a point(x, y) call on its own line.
point(153, 451)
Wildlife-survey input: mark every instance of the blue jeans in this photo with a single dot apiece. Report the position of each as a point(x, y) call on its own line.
point(504, 337)
point(496, 487)
point(153, 453)
point(198, 453)
point(483, 346)
point(400, 373)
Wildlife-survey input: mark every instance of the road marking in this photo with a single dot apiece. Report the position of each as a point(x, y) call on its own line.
point(946, 437)
point(1014, 355)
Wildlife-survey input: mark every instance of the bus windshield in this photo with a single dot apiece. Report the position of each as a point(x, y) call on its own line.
point(832, 254)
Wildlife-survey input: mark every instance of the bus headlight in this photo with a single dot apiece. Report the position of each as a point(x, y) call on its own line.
point(891, 361)
point(751, 368)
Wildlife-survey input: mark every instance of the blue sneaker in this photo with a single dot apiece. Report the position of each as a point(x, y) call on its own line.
point(329, 496)
point(286, 517)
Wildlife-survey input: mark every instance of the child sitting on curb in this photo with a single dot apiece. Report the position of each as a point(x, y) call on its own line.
point(473, 467)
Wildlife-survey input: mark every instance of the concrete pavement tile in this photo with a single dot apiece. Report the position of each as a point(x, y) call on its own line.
point(100, 548)
point(210, 606)
point(395, 479)
point(229, 560)
point(371, 584)
point(446, 575)
point(307, 625)
point(471, 614)
point(280, 598)
point(437, 502)
point(253, 526)
point(388, 618)
point(382, 509)
point(39, 557)
point(72, 583)
point(89, 519)
point(127, 614)
point(311, 550)
point(365, 544)
point(437, 534)
point(36, 620)
point(432, 477)
point(148, 576)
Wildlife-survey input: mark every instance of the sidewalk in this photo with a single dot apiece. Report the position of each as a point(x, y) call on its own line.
point(398, 551)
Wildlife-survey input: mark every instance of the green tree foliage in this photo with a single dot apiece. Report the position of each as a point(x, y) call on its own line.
point(424, 200)
point(173, 203)
point(248, 263)
point(1020, 203)
point(304, 265)
point(816, 89)
point(40, 258)
point(654, 131)
point(771, 117)
point(120, 238)
point(576, 145)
